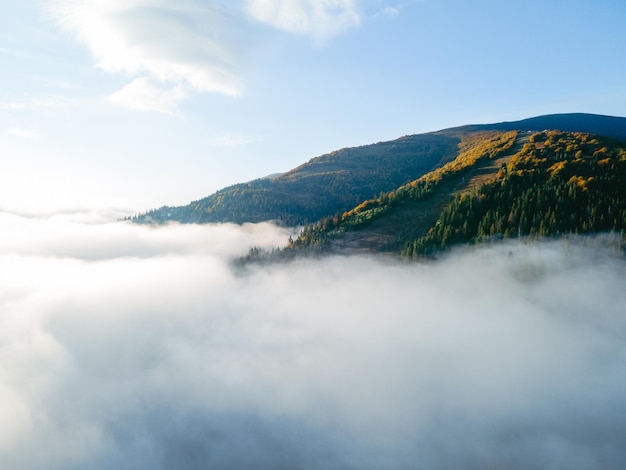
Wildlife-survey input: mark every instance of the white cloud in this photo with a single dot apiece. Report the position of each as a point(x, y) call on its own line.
point(138, 347)
point(198, 45)
point(319, 19)
point(60, 235)
point(388, 11)
point(190, 43)
point(144, 95)
point(39, 102)
point(71, 215)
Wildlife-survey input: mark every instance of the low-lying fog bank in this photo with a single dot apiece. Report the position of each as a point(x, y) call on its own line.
point(133, 347)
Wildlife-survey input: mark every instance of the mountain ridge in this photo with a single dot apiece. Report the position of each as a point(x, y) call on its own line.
point(338, 181)
point(544, 184)
point(607, 126)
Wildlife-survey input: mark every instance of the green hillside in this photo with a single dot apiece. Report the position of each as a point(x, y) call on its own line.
point(559, 183)
point(501, 185)
point(337, 182)
point(331, 183)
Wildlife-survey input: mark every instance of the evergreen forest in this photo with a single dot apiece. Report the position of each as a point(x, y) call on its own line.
point(545, 184)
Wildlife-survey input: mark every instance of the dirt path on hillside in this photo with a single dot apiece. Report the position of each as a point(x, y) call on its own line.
point(412, 219)
point(488, 169)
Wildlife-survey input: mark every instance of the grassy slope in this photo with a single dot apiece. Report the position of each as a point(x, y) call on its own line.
point(386, 223)
point(411, 220)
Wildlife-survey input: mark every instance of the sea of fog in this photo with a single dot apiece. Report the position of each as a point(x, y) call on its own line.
point(134, 347)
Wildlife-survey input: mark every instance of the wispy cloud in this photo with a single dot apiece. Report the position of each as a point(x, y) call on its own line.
point(70, 216)
point(38, 102)
point(199, 45)
point(389, 8)
point(144, 95)
point(189, 43)
point(319, 19)
point(138, 347)
point(388, 11)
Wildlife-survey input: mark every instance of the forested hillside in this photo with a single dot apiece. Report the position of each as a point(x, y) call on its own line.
point(548, 184)
point(334, 183)
point(331, 183)
point(407, 212)
point(559, 183)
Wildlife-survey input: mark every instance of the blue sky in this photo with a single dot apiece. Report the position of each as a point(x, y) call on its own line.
point(132, 104)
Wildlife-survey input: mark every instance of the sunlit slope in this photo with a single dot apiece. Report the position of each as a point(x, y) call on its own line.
point(334, 183)
point(559, 183)
point(387, 222)
point(502, 185)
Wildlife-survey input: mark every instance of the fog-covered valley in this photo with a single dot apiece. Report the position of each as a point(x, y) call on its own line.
point(135, 347)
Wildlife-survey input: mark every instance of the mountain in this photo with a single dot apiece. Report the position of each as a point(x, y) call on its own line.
point(327, 184)
point(607, 126)
point(334, 183)
point(559, 183)
point(505, 185)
